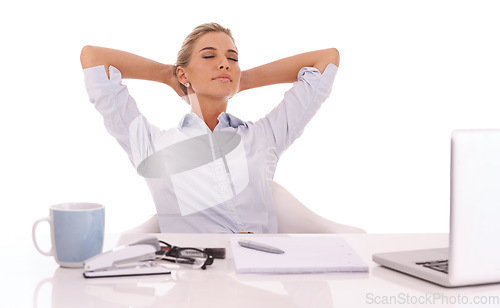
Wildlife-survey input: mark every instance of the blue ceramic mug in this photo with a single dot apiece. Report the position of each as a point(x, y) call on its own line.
point(77, 232)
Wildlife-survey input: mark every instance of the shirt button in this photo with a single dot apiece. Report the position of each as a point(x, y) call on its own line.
point(231, 209)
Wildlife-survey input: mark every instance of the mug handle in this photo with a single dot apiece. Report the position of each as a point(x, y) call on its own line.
point(33, 234)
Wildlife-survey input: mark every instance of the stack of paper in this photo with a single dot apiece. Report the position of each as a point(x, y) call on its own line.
point(310, 254)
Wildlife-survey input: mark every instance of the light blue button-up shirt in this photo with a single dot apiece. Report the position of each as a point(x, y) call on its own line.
point(204, 181)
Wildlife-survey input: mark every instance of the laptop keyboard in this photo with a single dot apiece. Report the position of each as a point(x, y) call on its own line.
point(439, 265)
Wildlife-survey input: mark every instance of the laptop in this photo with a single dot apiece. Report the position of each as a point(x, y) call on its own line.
point(473, 255)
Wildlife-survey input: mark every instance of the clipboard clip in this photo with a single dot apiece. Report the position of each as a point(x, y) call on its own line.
point(137, 258)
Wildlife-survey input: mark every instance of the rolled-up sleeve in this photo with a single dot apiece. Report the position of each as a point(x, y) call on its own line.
point(287, 121)
point(112, 99)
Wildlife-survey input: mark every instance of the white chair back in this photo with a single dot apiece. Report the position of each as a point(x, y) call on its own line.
point(293, 217)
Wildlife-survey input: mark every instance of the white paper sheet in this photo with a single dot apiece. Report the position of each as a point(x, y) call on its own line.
point(311, 254)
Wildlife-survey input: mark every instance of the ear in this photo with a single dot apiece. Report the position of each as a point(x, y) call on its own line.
point(181, 74)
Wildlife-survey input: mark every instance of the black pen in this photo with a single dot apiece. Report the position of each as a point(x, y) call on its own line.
point(261, 247)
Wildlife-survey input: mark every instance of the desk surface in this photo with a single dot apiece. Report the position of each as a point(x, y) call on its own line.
point(37, 281)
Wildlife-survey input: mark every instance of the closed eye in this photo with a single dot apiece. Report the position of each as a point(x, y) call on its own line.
point(229, 58)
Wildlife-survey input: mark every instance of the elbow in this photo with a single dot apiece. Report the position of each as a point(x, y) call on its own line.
point(332, 56)
point(325, 57)
point(87, 56)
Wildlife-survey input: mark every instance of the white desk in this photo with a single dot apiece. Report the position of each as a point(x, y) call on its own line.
point(42, 283)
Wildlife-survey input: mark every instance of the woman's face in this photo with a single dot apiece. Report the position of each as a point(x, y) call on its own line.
point(213, 69)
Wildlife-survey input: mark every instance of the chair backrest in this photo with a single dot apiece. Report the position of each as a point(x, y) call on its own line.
point(293, 217)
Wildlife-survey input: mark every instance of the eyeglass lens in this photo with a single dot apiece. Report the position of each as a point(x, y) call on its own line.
point(191, 257)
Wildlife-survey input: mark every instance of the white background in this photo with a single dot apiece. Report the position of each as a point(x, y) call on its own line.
point(375, 156)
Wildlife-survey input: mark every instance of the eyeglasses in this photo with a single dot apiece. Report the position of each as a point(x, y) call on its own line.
point(185, 256)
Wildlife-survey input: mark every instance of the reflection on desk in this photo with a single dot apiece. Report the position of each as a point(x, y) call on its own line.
point(186, 288)
point(220, 286)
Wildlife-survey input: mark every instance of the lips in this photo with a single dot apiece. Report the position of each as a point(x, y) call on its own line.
point(222, 78)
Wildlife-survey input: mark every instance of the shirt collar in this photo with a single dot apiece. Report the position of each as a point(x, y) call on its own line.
point(225, 120)
point(228, 120)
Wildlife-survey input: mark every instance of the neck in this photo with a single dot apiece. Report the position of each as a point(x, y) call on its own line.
point(208, 109)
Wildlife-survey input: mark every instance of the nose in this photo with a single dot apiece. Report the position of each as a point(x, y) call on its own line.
point(224, 64)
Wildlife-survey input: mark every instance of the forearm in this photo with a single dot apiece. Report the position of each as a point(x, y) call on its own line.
point(130, 65)
point(286, 70)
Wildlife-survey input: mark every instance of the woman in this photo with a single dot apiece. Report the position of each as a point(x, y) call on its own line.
point(213, 173)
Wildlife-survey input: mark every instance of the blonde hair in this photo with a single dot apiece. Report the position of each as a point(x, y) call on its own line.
point(184, 54)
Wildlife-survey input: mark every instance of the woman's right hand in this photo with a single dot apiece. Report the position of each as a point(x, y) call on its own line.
point(131, 66)
point(171, 79)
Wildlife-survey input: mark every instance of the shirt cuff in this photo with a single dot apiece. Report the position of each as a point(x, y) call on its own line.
point(97, 82)
point(96, 76)
point(331, 68)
